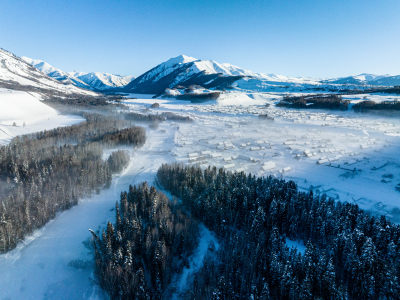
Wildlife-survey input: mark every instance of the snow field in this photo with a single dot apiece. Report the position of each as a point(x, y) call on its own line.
point(330, 152)
point(348, 156)
point(23, 112)
point(19, 107)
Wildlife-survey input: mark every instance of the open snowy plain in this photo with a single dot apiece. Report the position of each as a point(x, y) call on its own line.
point(348, 156)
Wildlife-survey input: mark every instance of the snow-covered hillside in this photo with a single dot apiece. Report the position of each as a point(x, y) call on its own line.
point(361, 79)
point(22, 107)
point(16, 74)
point(54, 72)
point(93, 80)
point(387, 81)
point(24, 112)
point(367, 79)
point(102, 81)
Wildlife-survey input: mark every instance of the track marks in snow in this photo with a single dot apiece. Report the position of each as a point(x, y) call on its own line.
point(182, 281)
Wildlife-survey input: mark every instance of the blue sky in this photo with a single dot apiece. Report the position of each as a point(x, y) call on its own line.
point(317, 38)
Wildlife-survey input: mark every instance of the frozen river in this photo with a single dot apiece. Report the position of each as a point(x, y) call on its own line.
point(56, 262)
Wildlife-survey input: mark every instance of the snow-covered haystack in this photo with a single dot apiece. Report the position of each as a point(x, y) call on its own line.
point(234, 98)
point(269, 165)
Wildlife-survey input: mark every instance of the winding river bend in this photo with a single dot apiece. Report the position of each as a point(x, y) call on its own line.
point(56, 262)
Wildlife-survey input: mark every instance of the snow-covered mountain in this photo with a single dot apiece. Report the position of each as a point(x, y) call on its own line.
point(185, 71)
point(367, 79)
point(17, 74)
point(361, 79)
point(386, 81)
point(102, 81)
point(22, 89)
point(94, 80)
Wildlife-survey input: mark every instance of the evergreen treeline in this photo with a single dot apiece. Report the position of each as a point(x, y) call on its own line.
point(349, 254)
point(198, 97)
point(372, 105)
point(150, 241)
point(164, 116)
point(96, 128)
point(319, 101)
point(46, 172)
point(117, 161)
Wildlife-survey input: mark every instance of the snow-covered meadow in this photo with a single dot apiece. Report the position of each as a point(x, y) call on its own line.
point(347, 155)
point(24, 112)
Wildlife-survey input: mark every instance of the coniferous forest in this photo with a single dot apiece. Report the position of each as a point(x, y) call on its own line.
point(349, 254)
point(47, 172)
point(150, 241)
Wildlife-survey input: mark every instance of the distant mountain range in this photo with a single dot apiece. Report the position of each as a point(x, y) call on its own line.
point(17, 74)
point(94, 80)
point(367, 79)
point(183, 71)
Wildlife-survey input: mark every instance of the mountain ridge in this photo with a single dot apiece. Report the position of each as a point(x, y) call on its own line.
point(185, 71)
point(89, 80)
point(17, 74)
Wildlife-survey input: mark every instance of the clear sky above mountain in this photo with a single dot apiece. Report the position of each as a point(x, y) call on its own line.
point(298, 38)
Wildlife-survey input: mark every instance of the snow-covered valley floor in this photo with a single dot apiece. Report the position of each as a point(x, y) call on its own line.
point(56, 262)
point(348, 156)
point(351, 157)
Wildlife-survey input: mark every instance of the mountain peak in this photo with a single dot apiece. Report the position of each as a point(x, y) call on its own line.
point(18, 73)
point(43, 66)
point(92, 80)
point(180, 59)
